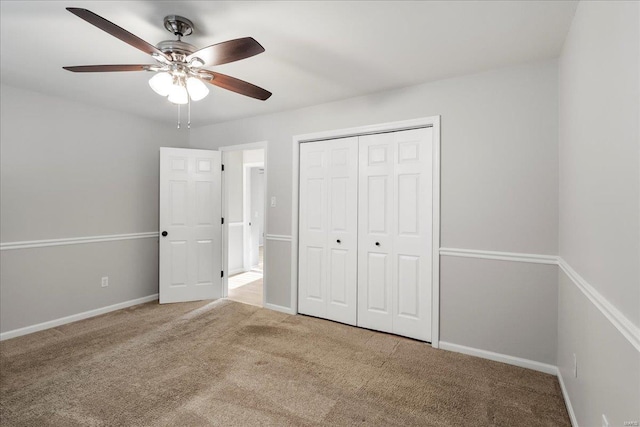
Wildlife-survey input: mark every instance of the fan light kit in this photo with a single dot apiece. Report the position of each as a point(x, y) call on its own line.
point(179, 75)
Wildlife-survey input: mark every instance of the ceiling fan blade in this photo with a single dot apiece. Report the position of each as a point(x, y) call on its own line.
point(107, 68)
point(229, 51)
point(116, 31)
point(236, 85)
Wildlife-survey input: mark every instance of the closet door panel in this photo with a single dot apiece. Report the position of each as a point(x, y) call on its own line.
point(375, 232)
point(328, 229)
point(342, 236)
point(312, 293)
point(412, 240)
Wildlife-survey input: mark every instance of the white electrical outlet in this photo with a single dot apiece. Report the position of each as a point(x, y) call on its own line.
point(273, 201)
point(105, 281)
point(575, 366)
point(605, 422)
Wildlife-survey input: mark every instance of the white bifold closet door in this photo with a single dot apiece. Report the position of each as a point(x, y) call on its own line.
point(395, 232)
point(328, 240)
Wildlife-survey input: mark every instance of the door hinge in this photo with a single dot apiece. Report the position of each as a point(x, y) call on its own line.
point(222, 274)
point(222, 168)
point(223, 220)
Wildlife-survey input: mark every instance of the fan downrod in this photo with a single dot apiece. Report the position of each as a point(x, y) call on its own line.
point(178, 25)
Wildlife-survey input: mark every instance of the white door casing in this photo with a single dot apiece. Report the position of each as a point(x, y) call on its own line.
point(190, 213)
point(328, 229)
point(395, 232)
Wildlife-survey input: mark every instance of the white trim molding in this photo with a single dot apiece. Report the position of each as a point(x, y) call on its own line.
point(501, 256)
point(499, 357)
point(76, 240)
point(626, 327)
point(75, 317)
point(278, 237)
point(567, 401)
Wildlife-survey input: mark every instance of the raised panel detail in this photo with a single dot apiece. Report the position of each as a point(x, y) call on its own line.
point(314, 196)
point(338, 277)
point(377, 155)
point(338, 204)
point(178, 164)
point(377, 282)
point(314, 272)
point(315, 159)
point(204, 249)
point(408, 285)
point(179, 267)
point(408, 152)
point(408, 198)
point(204, 202)
point(178, 202)
point(339, 157)
point(377, 209)
point(204, 166)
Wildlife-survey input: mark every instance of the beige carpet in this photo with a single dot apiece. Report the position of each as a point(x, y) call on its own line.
point(227, 363)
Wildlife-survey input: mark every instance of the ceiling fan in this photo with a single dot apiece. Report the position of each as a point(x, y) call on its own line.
point(178, 69)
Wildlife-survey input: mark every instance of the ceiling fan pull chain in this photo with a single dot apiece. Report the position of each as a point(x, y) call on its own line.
point(189, 113)
point(178, 116)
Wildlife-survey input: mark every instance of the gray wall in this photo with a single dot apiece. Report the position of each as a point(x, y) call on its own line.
point(507, 307)
point(499, 184)
point(74, 170)
point(599, 142)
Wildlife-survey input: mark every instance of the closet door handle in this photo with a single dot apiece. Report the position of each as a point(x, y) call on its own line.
point(338, 241)
point(164, 234)
point(377, 243)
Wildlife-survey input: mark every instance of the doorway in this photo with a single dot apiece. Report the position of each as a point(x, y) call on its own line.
point(244, 187)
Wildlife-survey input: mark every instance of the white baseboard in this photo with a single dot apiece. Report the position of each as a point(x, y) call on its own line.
point(279, 308)
point(498, 357)
point(236, 271)
point(75, 317)
point(567, 401)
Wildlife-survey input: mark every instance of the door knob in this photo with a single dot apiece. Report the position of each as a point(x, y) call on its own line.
point(164, 234)
point(338, 241)
point(377, 243)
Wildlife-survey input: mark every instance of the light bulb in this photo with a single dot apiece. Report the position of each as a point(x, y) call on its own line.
point(161, 83)
point(178, 94)
point(197, 89)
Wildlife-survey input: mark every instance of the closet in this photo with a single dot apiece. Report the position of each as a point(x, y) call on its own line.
point(365, 231)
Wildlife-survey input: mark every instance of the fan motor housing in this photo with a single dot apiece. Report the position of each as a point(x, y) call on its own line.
point(176, 46)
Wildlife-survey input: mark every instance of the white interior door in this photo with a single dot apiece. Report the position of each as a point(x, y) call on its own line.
point(328, 230)
point(395, 232)
point(190, 225)
point(375, 232)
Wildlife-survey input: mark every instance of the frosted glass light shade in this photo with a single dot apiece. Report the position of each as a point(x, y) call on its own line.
point(178, 94)
point(197, 89)
point(161, 83)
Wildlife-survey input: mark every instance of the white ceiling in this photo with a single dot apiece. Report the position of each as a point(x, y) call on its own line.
point(316, 52)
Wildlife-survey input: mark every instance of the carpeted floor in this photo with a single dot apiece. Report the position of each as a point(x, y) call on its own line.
point(227, 363)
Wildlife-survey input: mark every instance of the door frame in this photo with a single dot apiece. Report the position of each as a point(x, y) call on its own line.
point(432, 122)
point(246, 214)
point(225, 214)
